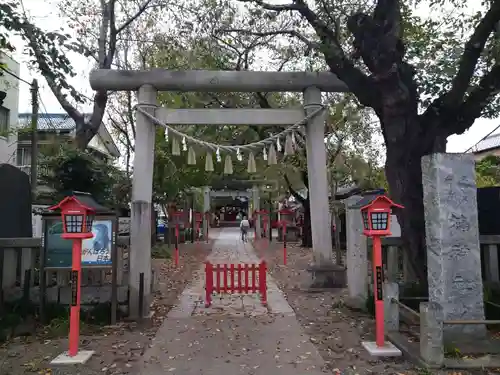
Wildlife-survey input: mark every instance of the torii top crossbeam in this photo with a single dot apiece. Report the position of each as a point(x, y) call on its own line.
point(213, 81)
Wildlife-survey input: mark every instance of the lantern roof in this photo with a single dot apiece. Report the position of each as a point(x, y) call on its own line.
point(370, 200)
point(83, 199)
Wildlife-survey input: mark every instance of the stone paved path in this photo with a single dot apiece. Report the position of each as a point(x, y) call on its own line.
point(236, 335)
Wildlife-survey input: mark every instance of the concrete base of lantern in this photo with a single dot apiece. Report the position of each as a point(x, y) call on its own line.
point(388, 350)
point(79, 359)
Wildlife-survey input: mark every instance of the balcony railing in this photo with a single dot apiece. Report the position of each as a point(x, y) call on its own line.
point(42, 170)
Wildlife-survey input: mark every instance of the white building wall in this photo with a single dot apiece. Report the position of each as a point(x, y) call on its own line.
point(9, 84)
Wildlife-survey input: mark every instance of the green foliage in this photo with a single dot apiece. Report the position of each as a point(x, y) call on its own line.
point(70, 169)
point(45, 50)
point(161, 251)
point(488, 171)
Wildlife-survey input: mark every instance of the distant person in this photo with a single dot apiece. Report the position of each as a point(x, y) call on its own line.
point(239, 216)
point(244, 226)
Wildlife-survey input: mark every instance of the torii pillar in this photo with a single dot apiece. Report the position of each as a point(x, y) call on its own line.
point(206, 208)
point(142, 192)
point(323, 270)
point(256, 207)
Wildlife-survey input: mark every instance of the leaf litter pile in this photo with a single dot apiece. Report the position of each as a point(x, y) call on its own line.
point(117, 348)
point(336, 330)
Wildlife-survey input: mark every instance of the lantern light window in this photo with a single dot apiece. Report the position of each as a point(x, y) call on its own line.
point(88, 223)
point(379, 220)
point(366, 224)
point(74, 223)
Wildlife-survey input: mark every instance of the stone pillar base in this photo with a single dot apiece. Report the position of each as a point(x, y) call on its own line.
point(329, 276)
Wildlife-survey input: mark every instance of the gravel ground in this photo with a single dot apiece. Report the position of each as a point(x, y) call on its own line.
point(336, 330)
point(117, 347)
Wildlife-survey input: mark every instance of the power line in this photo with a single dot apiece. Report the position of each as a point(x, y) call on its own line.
point(9, 72)
point(482, 139)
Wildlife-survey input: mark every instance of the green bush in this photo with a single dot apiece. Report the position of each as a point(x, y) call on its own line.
point(161, 251)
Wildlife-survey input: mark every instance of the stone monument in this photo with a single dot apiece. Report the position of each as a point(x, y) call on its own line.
point(356, 258)
point(452, 237)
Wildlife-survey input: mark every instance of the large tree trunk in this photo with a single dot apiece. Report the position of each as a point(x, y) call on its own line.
point(404, 175)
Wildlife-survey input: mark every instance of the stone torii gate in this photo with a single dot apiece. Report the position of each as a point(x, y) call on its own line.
point(148, 83)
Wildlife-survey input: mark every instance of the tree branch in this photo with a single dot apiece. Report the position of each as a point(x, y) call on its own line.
point(140, 11)
point(292, 33)
point(361, 85)
point(477, 101)
point(472, 52)
point(294, 192)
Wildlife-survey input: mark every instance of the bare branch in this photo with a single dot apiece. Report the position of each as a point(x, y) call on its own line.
point(294, 192)
point(477, 101)
point(472, 52)
point(272, 7)
point(137, 14)
point(292, 33)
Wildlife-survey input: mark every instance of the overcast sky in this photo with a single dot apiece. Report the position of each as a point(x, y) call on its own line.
point(45, 15)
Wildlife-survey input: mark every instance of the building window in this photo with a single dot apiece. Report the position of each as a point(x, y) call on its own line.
point(23, 156)
point(4, 121)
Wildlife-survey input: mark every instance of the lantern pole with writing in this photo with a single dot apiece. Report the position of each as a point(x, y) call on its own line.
point(285, 217)
point(77, 220)
point(177, 216)
point(376, 214)
point(208, 217)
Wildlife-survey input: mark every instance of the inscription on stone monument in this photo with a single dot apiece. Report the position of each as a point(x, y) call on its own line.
point(452, 238)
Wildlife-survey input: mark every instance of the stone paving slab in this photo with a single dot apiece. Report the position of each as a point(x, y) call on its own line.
point(236, 335)
point(228, 248)
point(265, 345)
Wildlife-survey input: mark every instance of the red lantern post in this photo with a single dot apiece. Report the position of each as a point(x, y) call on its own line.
point(207, 218)
point(177, 218)
point(198, 217)
point(258, 215)
point(77, 219)
point(376, 213)
point(286, 217)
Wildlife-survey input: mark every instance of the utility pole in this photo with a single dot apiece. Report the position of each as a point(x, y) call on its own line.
point(34, 137)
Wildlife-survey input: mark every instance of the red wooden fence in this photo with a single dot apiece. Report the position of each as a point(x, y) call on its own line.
point(235, 278)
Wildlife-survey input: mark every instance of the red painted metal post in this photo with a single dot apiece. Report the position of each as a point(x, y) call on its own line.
point(263, 282)
point(217, 278)
point(240, 283)
point(253, 269)
point(176, 255)
point(226, 289)
point(209, 283)
point(284, 243)
point(246, 278)
point(74, 322)
point(231, 269)
point(377, 288)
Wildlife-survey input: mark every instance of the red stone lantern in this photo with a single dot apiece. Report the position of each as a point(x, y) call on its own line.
point(377, 216)
point(264, 215)
point(77, 214)
point(176, 218)
point(198, 218)
point(376, 213)
point(286, 218)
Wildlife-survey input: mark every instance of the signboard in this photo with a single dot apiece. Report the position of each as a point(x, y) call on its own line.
point(380, 277)
point(123, 226)
point(96, 251)
point(74, 288)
